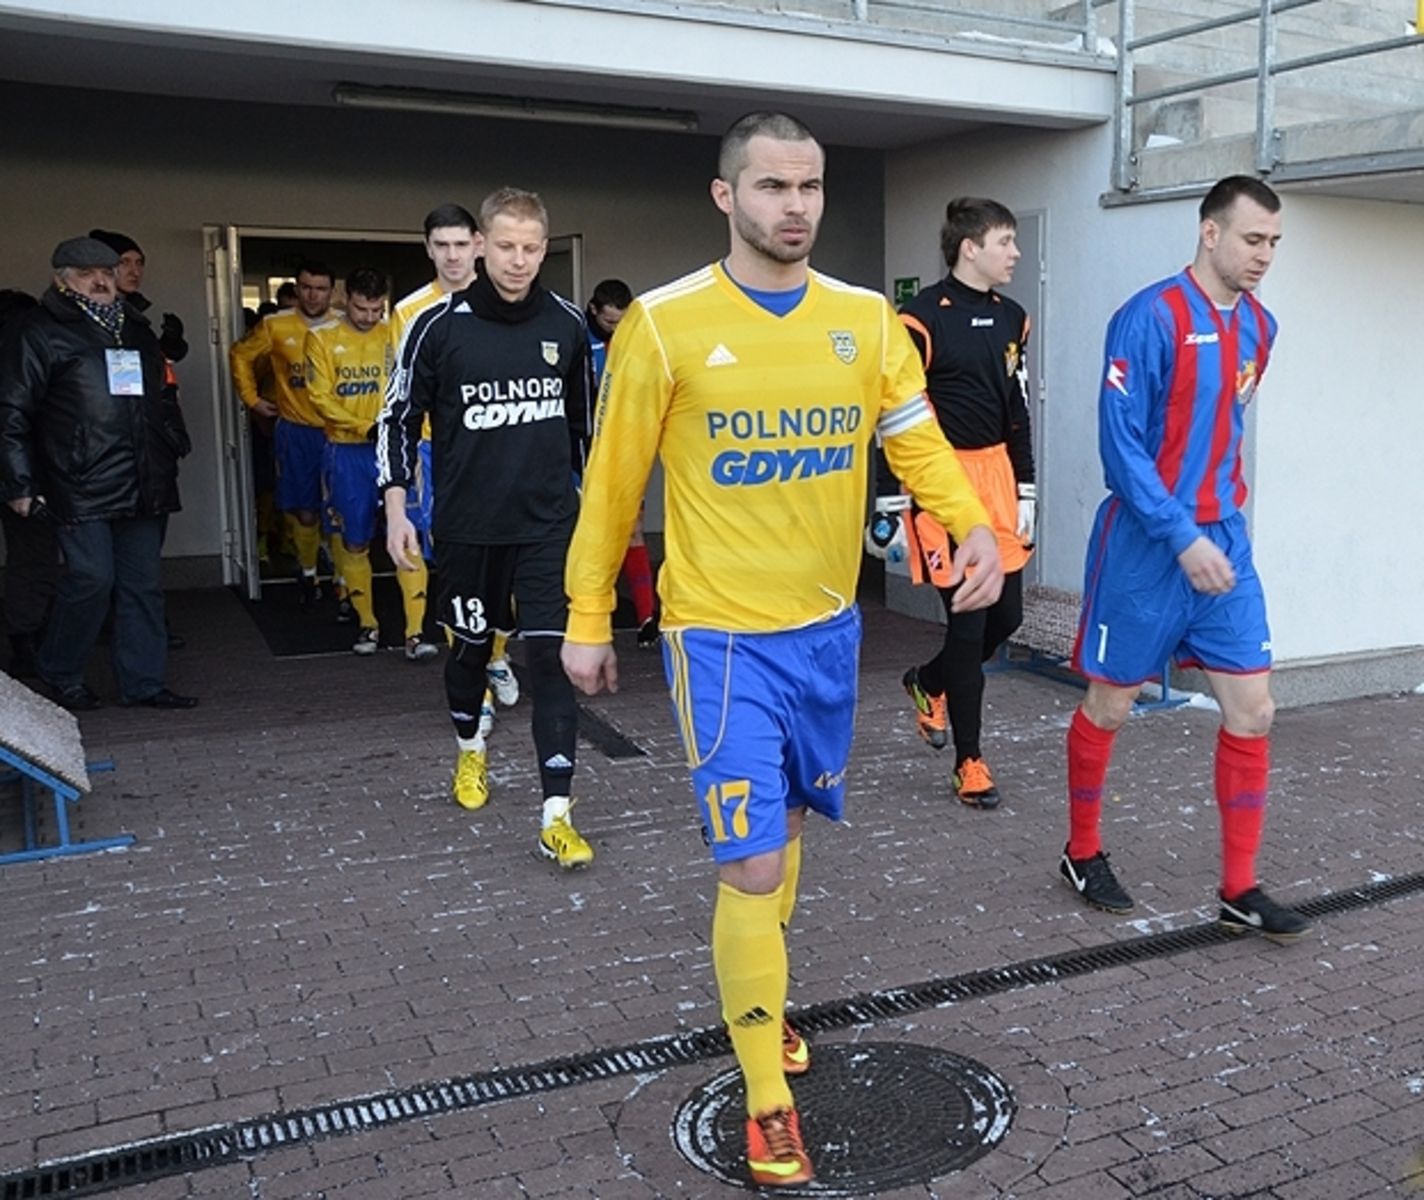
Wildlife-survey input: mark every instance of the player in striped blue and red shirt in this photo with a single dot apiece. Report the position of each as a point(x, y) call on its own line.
point(1169, 569)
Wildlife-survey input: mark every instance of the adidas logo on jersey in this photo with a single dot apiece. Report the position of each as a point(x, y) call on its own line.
point(721, 357)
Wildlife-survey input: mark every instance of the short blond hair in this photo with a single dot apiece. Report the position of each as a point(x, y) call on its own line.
point(516, 203)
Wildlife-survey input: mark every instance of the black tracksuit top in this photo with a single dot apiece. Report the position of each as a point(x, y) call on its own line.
point(509, 393)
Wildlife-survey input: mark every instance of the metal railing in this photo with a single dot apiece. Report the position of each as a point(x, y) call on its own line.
point(1265, 73)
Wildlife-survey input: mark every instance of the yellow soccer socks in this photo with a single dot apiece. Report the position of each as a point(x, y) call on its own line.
point(790, 879)
point(356, 569)
point(413, 585)
point(306, 538)
point(749, 958)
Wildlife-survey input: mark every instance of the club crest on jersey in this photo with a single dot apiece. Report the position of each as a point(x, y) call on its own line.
point(843, 343)
point(551, 352)
point(1011, 359)
point(1246, 380)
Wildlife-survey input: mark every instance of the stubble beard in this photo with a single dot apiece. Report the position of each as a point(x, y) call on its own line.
point(765, 244)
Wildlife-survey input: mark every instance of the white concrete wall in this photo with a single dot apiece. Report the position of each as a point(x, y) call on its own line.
point(1339, 430)
point(1333, 439)
point(639, 200)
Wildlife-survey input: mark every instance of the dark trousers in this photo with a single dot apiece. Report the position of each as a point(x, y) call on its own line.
point(106, 560)
point(31, 570)
point(970, 640)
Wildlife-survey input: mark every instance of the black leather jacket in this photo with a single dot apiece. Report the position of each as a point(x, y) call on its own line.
point(91, 455)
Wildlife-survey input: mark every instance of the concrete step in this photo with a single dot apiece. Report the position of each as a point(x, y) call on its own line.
point(1201, 162)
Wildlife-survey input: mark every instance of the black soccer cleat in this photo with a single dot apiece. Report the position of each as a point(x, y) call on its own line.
point(1255, 912)
point(1094, 880)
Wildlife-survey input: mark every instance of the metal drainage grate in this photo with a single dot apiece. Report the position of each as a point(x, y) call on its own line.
point(934, 1112)
point(599, 732)
point(180, 1154)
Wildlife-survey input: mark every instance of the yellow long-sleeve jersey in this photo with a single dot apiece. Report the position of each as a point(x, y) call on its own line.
point(763, 424)
point(405, 311)
point(346, 377)
point(280, 338)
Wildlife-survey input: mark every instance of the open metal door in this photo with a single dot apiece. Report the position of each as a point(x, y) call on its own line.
point(239, 545)
point(562, 269)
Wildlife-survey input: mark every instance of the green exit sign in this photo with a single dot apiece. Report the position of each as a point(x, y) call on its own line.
point(906, 289)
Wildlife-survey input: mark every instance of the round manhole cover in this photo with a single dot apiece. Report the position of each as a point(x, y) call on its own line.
point(874, 1115)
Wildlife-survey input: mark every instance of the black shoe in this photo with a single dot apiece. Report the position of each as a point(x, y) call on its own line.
point(162, 698)
point(1094, 880)
point(345, 612)
point(77, 698)
point(1255, 912)
point(22, 657)
point(648, 633)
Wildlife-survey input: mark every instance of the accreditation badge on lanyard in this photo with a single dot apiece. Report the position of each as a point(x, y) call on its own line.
point(125, 372)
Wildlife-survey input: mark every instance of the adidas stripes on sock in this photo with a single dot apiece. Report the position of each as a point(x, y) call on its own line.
point(749, 957)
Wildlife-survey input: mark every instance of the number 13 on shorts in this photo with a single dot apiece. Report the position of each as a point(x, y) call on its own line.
point(726, 805)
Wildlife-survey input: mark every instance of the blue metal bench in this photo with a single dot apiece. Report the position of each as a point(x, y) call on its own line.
point(41, 751)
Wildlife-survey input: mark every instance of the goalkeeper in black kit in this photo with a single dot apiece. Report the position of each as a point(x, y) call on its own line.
point(502, 369)
point(972, 341)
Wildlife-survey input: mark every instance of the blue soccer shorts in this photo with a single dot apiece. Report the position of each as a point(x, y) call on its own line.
point(1139, 607)
point(766, 720)
point(420, 500)
point(351, 490)
point(299, 450)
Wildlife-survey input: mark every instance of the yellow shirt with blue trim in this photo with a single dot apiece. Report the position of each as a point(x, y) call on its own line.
point(280, 340)
point(405, 311)
point(346, 377)
point(764, 426)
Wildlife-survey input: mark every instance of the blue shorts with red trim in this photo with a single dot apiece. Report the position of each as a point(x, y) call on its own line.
point(766, 720)
point(1139, 609)
point(299, 450)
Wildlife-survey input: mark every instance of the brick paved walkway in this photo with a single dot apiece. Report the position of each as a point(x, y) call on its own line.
point(306, 917)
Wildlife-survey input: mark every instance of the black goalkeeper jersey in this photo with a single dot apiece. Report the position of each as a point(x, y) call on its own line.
point(974, 348)
point(509, 394)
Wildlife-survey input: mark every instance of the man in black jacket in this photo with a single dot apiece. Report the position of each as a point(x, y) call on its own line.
point(502, 369)
point(90, 438)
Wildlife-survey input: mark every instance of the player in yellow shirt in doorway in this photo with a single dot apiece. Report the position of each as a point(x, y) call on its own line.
point(760, 383)
point(279, 340)
point(346, 383)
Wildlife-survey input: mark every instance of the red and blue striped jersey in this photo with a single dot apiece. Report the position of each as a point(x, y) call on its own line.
point(1179, 374)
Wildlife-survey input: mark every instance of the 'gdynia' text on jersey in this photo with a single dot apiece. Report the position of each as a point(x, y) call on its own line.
point(508, 394)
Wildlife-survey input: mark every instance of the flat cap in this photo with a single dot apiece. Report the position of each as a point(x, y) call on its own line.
point(83, 252)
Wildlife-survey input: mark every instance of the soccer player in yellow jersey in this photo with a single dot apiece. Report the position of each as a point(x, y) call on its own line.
point(760, 383)
point(280, 340)
point(346, 382)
